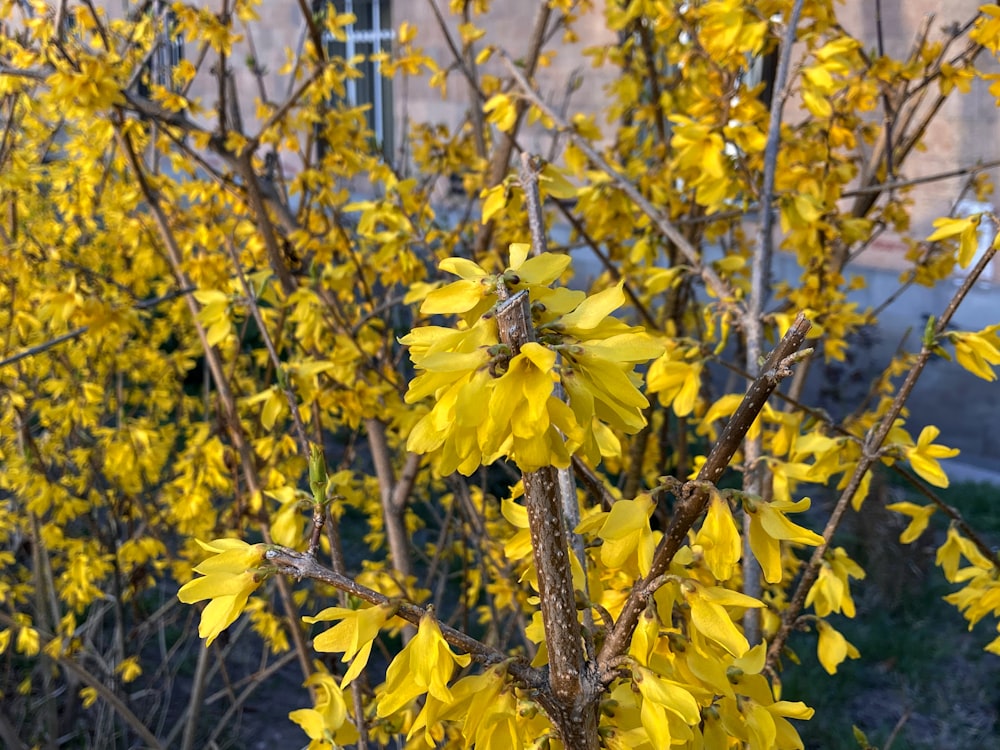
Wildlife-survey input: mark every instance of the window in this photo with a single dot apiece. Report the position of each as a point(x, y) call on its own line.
point(762, 69)
point(370, 34)
point(167, 52)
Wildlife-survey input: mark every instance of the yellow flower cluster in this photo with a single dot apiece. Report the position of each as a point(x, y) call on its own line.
point(491, 402)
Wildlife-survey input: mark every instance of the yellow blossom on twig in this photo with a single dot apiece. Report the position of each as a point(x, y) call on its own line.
point(227, 581)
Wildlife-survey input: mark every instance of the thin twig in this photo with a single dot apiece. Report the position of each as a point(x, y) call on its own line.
point(695, 498)
point(283, 381)
point(870, 454)
point(281, 111)
point(301, 565)
point(98, 684)
point(215, 368)
point(891, 739)
point(196, 699)
point(392, 514)
point(984, 549)
point(315, 35)
point(501, 155)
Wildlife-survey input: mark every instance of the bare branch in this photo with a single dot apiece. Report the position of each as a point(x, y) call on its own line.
point(392, 508)
point(302, 565)
point(695, 498)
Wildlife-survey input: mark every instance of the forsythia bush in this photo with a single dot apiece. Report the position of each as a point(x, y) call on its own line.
point(477, 504)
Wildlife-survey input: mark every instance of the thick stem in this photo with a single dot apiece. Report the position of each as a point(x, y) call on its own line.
point(548, 535)
point(572, 681)
point(755, 473)
point(530, 169)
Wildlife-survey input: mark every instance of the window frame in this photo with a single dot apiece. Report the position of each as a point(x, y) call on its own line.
point(379, 34)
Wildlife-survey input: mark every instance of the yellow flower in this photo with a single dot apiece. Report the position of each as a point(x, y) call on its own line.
point(949, 556)
point(353, 635)
point(833, 648)
point(977, 351)
point(28, 641)
point(424, 666)
point(598, 375)
point(668, 709)
point(676, 381)
point(228, 580)
point(89, 696)
point(627, 534)
point(924, 455)
point(476, 285)
point(710, 618)
point(523, 414)
point(475, 292)
point(920, 515)
point(768, 526)
point(326, 724)
point(129, 669)
point(966, 229)
point(453, 367)
point(831, 592)
point(720, 539)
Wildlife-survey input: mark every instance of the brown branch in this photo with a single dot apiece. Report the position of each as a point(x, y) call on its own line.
point(646, 41)
point(221, 73)
point(283, 382)
point(549, 540)
point(315, 35)
point(897, 184)
point(609, 266)
point(565, 484)
point(878, 187)
point(265, 225)
point(469, 58)
point(984, 549)
point(594, 483)
point(281, 111)
point(870, 454)
point(695, 498)
point(890, 167)
point(459, 58)
point(574, 691)
point(302, 565)
point(528, 174)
